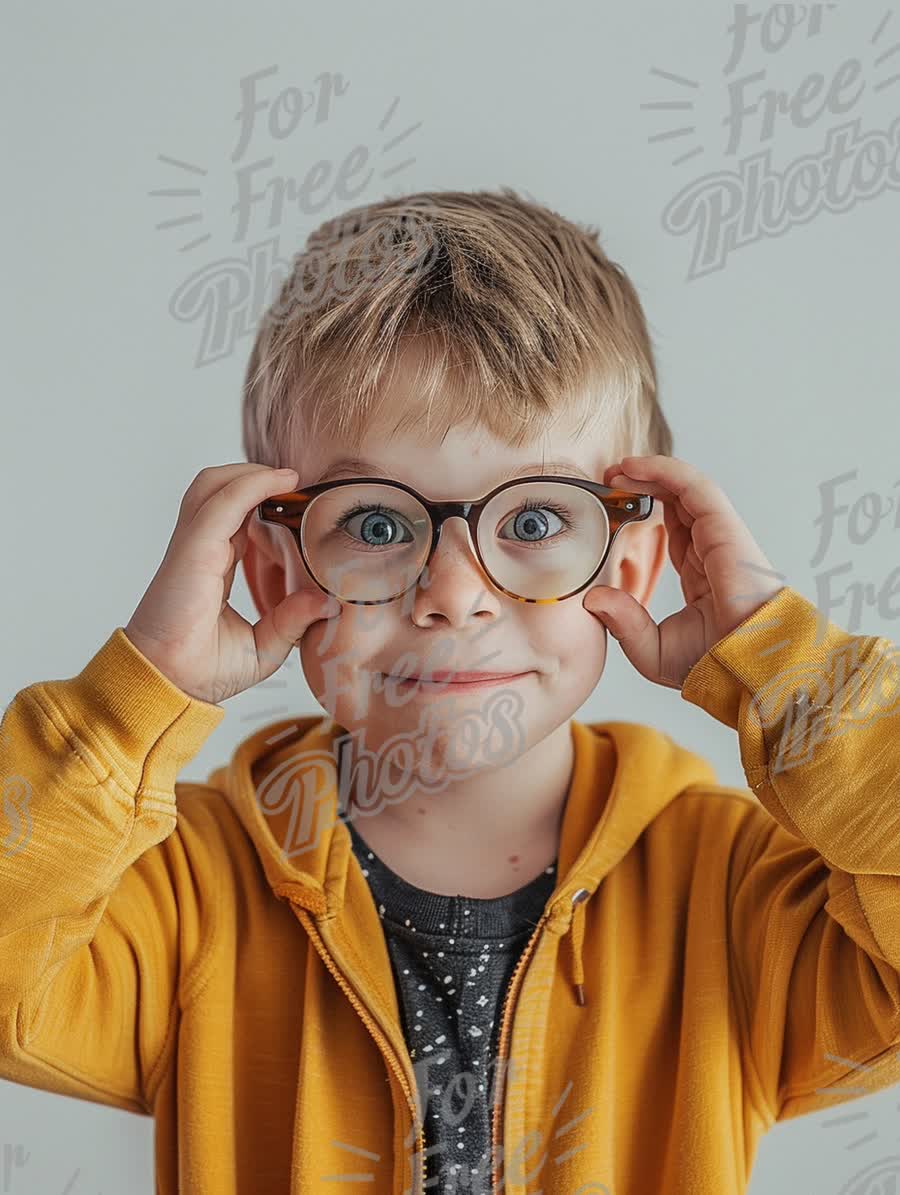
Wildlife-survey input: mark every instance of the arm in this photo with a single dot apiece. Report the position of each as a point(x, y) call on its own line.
point(100, 918)
point(815, 919)
point(104, 904)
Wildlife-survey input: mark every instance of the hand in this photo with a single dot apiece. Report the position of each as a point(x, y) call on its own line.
point(184, 625)
point(724, 575)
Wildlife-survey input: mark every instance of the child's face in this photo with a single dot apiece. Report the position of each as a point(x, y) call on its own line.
point(460, 620)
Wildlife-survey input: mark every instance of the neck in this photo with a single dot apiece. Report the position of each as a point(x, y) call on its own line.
point(498, 822)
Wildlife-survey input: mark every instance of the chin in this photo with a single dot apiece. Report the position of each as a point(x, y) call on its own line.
point(481, 729)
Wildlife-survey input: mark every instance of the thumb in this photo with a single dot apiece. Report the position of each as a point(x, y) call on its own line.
point(281, 629)
point(630, 624)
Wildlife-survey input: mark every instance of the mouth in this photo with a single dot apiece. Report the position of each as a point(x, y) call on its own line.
point(444, 681)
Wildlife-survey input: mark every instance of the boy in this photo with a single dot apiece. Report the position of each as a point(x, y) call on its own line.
point(449, 937)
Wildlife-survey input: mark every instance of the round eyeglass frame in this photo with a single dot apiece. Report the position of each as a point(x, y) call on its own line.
point(621, 506)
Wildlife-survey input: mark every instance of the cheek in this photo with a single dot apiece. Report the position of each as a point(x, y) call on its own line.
point(337, 662)
point(565, 621)
point(578, 642)
point(329, 658)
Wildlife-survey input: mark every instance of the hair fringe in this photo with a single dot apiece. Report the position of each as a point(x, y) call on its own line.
point(515, 317)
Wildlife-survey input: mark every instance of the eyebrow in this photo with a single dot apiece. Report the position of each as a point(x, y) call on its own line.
point(358, 467)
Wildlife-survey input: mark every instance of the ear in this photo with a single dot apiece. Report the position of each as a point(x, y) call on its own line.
point(264, 570)
point(642, 556)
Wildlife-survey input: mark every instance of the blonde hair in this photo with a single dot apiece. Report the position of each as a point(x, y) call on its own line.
point(519, 316)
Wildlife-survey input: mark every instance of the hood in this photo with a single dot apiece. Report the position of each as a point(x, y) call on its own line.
point(282, 783)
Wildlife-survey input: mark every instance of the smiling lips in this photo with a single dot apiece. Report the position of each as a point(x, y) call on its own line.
point(442, 677)
point(442, 682)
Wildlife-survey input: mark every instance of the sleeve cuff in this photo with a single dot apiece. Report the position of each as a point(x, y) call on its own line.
point(128, 716)
point(783, 644)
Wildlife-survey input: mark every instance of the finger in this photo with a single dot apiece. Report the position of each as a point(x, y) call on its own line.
point(211, 479)
point(705, 508)
point(223, 513)
point(280, 630)
point(679, 536)
point(630, 623)
point(241, 538)
point(667, 477)
point(239, 548)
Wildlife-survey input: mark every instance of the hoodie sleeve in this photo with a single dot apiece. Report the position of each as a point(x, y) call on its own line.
point(815, 915)
point(97, 928)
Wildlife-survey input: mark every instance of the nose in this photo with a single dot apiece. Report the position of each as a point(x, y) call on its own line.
point(454, 587)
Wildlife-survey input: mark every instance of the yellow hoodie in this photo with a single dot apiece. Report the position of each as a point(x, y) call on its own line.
point(210, 954)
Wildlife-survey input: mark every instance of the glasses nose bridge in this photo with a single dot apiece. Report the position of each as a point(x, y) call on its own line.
point(441, 512)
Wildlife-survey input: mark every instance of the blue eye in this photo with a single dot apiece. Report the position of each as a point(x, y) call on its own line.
point(532, 524)
point(379, 522)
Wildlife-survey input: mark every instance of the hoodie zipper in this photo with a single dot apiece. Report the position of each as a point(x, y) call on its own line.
point(387, 1050)
point(511, 994)
point(382, 1042)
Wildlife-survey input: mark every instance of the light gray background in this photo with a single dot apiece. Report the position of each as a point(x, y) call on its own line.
point(778, 371)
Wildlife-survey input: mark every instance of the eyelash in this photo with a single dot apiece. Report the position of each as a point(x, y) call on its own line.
point(363, 508)
point(562, 513)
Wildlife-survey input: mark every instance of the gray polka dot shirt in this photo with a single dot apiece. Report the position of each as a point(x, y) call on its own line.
point(452, 959)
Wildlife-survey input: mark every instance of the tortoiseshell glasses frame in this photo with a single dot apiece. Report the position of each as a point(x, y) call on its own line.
point(621, 506)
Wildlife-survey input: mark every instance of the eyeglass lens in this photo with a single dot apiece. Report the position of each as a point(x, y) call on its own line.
point(369, 542)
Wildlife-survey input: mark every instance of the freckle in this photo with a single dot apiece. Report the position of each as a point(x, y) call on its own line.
point(420, 810)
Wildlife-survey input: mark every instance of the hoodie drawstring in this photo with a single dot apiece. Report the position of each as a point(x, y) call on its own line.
point(577, 928)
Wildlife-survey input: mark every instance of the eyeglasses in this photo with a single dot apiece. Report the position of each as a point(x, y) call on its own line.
point(538, 539)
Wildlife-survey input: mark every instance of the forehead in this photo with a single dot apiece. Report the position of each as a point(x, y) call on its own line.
point(467, 460)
